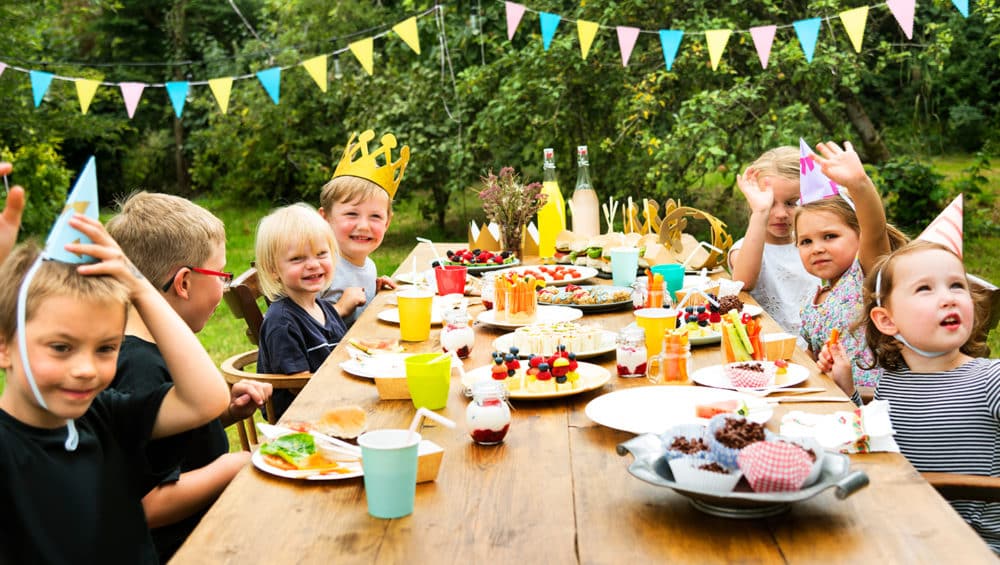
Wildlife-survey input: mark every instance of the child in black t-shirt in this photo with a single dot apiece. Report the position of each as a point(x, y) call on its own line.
point(66, 502)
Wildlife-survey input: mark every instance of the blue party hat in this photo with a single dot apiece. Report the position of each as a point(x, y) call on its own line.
point(82, 200)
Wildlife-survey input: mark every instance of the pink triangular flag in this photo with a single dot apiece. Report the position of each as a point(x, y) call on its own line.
point(903, 11)
point(3, 67)
point(514, 13)
point(131, 92)
point(763, 38)
point(813, 184)
point(626, 41)
point(946, 229)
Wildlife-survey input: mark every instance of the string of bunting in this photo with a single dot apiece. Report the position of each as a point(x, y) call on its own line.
point(807, 31)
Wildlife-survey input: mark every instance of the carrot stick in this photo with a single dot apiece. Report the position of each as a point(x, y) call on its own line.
point(834, 336)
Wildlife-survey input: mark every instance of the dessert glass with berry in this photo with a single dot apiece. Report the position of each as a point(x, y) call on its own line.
point(488, 415)
point(457, 334)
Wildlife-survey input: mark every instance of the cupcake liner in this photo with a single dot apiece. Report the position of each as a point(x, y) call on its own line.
point(746, 378)
point(688, 431)
point(688, 473)
point(724, 454)
point(809, 445)
point(775, 466)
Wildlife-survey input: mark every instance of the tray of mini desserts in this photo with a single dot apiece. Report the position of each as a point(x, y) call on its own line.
point(733, 467)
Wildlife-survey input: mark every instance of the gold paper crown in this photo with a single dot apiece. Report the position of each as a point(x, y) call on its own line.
point(358, 162)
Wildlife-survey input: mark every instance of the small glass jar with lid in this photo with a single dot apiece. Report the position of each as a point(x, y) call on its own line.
point(488, 415)
point(488, 290)
point(456, 333)
point(630, 351)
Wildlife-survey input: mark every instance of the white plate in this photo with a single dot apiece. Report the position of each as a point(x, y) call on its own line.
point(387, 365)
point(591, 377)
point(714, 337)
point(603, 291)
point(607, 345)
point(714, 376)
point(392, 316)
point(752, 310)
point(544, 315)
point(585, 273)
point(258, 461)
point(656, 409)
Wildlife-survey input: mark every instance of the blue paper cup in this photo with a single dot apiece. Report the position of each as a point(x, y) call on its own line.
point(624, 264)
point(673, 277)
point(389, 462)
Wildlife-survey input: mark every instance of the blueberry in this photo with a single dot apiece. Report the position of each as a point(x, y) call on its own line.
point(700, 309)
point(689, 309)
point(476, 251)
point(508, 357)
point(436, 263)
point(505, 254)
point(514, 350)
point(450, 253)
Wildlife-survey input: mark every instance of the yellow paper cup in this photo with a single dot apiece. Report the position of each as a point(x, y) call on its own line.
point(429, 377)
point(415, 314)
point(656, 322)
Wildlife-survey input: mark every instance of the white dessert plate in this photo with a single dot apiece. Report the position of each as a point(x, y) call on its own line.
point(484, 268)
point(714, 376)
point(591, 377)
point(583, 273)
point(386, 365)
point(606, 345)
point(656, 409)
point(544, 315)
point(354, 470)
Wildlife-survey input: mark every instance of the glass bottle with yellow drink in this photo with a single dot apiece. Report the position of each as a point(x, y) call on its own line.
point(552, 216)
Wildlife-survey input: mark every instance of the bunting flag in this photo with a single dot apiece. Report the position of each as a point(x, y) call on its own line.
point(903, 12)
point(586, 31)
point(962, 5)
point(549, 23)
point(854, 24)
point(82, 200)
point(763, 39)
point(813, 184)
point(40, 81)
point(363, 50)
point(131, 92)
point(808, 31)
point(717, 39)
point(946, 229)
point(270, 79)
point(514, 14)
point(221, 88)
point(3, 67)
point(316, 67)
point(626, 41)
point(178, 91)
point(670, 41)
point(85, 90)
point(407, 31)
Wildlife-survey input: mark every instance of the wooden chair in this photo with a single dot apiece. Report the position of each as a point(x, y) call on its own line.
point(234, 370)
point(241, 296)
point(953, 486)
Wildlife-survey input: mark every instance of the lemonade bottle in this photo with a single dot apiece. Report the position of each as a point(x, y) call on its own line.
point(584, 204)
point(552, 216)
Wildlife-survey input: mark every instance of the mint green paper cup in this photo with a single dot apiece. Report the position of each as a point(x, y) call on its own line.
point(389, 462)
point(673, 277)
point(624, 264)
point(428, 376)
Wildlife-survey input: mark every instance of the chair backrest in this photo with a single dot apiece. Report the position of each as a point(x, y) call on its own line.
point(241, 297)
point(234, 370)
point(993, 316)
point(953, 486)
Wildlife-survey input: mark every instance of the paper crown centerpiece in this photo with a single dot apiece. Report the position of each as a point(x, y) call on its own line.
point(946, 229)
point(376, 166)
point(82, 199)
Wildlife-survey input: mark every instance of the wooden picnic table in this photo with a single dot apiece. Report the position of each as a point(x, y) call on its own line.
point(556, 491)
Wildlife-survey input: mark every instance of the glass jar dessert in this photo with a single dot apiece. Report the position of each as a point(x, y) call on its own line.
point(630, 351)
point(488, 416)
point(457, 334)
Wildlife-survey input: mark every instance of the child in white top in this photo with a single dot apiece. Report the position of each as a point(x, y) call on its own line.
point(944, 399)
point(766, 259)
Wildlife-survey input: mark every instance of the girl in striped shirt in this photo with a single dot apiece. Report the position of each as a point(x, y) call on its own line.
point(921, 322)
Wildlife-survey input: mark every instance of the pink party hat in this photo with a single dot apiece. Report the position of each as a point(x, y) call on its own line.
point(813, 184)
point(946, 229)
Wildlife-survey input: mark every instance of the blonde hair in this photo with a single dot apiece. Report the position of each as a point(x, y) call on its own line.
point(298, 224)
point(161, 233)
point(888, 351)
point(352, 190)
point(53, 278)
point(779, 162)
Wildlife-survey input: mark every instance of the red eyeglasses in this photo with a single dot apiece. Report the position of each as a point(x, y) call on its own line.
point(226, 277)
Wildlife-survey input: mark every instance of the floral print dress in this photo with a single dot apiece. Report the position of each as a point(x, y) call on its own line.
point(840, 310)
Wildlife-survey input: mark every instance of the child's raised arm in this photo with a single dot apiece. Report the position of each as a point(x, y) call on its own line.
point(10, 220)
point(844, 167)
point(199, 393)
point(745, 262)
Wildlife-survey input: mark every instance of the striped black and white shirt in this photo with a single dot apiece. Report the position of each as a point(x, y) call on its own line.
point(950, 422)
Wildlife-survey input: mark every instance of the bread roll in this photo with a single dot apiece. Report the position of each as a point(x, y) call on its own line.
point(346, 422)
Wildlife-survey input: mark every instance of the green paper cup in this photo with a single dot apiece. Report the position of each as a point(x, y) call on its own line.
point(428, 375)
point(673, 277)
point(389, 462)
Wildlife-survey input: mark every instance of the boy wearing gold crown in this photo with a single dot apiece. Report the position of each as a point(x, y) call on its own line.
point(357, 203)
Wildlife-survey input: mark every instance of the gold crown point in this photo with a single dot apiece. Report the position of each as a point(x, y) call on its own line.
point(357, 161)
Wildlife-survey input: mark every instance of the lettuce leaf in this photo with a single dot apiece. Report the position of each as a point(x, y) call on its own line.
point(293, 448)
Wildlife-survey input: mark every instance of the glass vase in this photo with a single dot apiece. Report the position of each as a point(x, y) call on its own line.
point(512, 238)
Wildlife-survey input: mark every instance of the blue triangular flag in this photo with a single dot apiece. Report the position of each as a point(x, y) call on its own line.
point(178, 92)
point(40, 81)
point(963, 6)
point(549, 24)
point(271, 79)
point(82, 199)
point(670, 41)
point(808, 30)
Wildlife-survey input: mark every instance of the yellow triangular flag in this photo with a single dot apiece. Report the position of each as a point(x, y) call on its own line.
point(407, 30)
point(221, 87)
point(717, 39)
point(586, 30)
point(363, 51)
point(854, 22)
point(85, 90)
point(316, 67)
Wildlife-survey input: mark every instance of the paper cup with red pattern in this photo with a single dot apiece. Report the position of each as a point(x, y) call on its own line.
point(775, 466)
point(686, 434)
point(704, 474)
point(722, 452)
point(815, 452)
point(750, 374)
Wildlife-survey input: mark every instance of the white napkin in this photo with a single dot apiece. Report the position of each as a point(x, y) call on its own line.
point(865, 430)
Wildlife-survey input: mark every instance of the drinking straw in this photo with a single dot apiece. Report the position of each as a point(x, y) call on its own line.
point(425, 413)
point(434, 249)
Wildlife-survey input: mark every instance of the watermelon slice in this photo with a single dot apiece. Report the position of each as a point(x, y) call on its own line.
point(721, 407)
